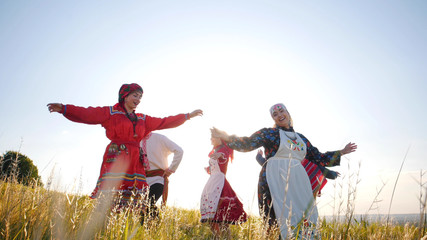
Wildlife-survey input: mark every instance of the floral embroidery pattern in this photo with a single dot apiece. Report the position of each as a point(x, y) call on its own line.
point(295, 145)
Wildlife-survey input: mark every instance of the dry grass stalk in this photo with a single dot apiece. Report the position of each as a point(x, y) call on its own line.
point(34, 212)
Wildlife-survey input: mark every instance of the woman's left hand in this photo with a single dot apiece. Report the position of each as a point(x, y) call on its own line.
point(349, 148)
point(195, 113)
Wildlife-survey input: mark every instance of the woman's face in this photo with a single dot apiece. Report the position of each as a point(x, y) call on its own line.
point(215, 141)
point(132, 100)
point(282, 118)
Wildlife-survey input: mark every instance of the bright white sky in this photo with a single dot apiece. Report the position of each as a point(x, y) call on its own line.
point(347, 71)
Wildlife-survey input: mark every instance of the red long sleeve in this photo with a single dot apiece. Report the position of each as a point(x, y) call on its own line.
point(90, 115)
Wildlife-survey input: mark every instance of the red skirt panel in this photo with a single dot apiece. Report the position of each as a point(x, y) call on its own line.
point(230, 209)
point(317, 179)
point(121, 170)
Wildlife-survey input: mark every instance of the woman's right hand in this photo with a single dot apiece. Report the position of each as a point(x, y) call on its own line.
point(55, 107)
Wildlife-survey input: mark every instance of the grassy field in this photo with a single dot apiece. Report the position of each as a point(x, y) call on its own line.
point(36, 213)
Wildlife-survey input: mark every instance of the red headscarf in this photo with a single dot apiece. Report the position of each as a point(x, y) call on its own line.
point(126, 89)
point(229, 150)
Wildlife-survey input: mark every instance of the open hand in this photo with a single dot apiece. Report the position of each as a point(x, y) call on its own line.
point(195, 113)
point(349, 148)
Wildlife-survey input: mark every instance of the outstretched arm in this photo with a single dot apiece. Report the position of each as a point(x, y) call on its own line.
point(154, 123)
point(244, 144)
point(89, 115)
point(332, 158)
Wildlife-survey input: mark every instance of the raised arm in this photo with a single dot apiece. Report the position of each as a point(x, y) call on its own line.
point(331, 158)
point(242, 144)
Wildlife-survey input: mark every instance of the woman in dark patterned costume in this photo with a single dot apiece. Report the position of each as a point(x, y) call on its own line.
point(284, 191)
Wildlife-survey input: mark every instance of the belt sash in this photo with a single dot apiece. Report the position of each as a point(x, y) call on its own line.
point(142, 154)
point(161, 172)
point(130, 143)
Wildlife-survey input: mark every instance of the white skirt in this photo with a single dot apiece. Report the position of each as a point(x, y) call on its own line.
point(211, 195)
point(291, 193)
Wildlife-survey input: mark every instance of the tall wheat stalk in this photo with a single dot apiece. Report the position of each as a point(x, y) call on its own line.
point(423, 203)
point(394, 187)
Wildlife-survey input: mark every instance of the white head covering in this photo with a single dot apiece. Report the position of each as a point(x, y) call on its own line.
point(277, 107)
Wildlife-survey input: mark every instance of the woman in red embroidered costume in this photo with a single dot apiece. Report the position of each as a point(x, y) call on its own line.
point(122, 170)
point(219, 204)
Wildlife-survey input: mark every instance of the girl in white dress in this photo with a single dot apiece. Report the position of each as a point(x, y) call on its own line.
point(219, 204)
